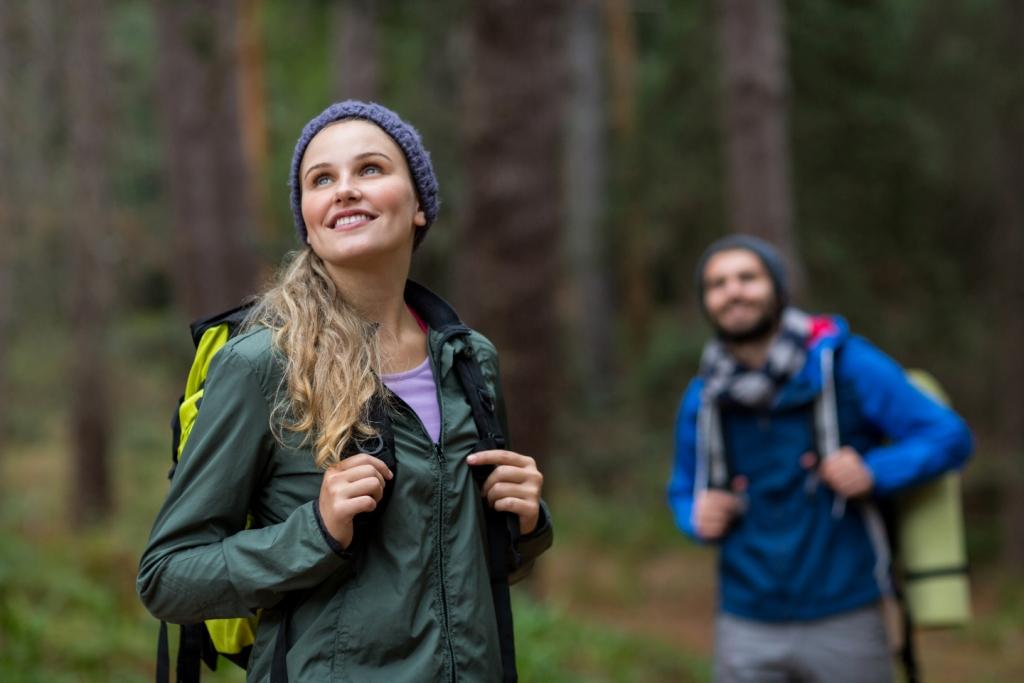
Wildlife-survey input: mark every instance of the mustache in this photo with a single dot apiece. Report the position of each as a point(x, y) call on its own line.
point(737, 302)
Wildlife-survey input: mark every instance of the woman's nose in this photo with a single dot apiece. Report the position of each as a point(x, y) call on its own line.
point(346, 189)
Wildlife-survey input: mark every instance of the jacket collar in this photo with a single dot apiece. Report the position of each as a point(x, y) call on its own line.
point(437, 313)
point(830, 332)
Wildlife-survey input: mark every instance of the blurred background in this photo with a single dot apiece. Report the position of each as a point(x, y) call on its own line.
point(587, 151)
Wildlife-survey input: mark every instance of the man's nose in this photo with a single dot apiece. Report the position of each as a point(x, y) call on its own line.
point(733, 287)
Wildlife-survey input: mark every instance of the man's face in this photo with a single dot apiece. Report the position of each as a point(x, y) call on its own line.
point(739, 296)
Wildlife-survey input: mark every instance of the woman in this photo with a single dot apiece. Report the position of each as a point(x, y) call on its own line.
point(263, 513)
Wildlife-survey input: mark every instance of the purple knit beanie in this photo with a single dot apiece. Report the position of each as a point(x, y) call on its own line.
point(408, 140)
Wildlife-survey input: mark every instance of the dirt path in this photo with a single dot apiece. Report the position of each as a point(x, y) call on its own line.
point(671, 597)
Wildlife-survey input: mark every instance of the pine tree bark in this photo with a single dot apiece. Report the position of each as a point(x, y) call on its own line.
point(215, 265)
point(512, 238)
point(7, 213)
point(1008, 290)
point(355, 53)
point(253, 111)
point(755, 89)
point(586, 188)
point(91, 260)
point(635, 251)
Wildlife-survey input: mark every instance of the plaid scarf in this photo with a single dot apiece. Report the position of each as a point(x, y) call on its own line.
point(727, 383)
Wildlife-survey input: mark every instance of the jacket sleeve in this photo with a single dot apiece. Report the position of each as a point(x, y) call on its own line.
point(529, 546)
point(684, 463)
point(201, 562)
point(923, 437)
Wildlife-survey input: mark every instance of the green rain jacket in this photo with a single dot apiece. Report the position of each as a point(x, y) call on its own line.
point(413, 603)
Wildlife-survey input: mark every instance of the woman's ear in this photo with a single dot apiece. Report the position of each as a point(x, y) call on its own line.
point(420, 218)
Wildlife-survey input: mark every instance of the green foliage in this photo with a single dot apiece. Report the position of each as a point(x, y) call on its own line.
point(67, 608)
point(555, 648)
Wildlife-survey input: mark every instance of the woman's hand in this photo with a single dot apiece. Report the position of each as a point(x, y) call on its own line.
point(349, 487)
point(514, 485)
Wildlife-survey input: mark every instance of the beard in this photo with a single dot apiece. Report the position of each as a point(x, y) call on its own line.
point(759, 330)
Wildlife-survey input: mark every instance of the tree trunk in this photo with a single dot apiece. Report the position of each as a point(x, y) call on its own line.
point(7, 213)
point(355, 53)
point(512, 237)
point(214, 266)
point(586, 189)
point(635, 251)
point(253, 110)
point(1007, 252)
point(755, 102)
point(87, 234)
point(622, 60)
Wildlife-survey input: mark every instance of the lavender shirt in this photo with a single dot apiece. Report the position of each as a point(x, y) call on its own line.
point(417, 388)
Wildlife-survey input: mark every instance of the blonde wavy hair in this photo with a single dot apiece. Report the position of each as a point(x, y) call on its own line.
point(332, 358)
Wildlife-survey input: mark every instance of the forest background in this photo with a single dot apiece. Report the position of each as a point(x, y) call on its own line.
point(587, 151)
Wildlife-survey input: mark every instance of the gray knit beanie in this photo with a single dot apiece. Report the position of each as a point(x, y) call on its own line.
point(402, 133)
point(768, 254)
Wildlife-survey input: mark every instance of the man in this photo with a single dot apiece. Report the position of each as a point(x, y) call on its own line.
point(803, 562)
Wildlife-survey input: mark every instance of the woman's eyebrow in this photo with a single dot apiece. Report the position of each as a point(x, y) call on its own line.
point(372, 154)
point(314, 167)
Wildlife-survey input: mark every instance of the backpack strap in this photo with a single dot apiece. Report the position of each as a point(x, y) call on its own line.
point(712, 463)
point(826, 419)
point(826, 415)
point(382, 446)
point(502, 527)
point(163, 655)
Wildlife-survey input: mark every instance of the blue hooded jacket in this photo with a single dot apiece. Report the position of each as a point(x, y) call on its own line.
point(788, 557)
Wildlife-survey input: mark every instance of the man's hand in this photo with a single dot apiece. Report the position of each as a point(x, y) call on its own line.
point(846, 474)
point(513, 486)
point(715, 509)
point(349, 487)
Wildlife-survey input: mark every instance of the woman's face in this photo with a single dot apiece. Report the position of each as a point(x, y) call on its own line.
point(358, 200)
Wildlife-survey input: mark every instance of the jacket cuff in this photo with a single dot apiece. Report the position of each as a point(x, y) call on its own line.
point(537, 541)
point(332, 543)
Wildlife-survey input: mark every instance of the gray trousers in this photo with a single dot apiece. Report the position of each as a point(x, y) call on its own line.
point(847, 648)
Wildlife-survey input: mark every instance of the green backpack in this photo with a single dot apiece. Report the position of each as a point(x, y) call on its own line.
point(233, 638)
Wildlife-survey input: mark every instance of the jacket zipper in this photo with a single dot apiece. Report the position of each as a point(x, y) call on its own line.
point(438, 449)
point(438, 452)
point(442, 570)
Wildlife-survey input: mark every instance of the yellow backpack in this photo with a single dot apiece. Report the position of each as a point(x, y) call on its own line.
point(230, 638)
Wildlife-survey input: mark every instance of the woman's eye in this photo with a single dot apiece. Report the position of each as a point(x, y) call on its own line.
point(321, 180)
point(371, 169)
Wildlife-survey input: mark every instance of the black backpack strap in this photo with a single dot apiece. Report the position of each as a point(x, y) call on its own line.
point(189, 651)
point(502, 527)
point(381, 446)
point(232, 317)
point(908, 653)
point(163, 656)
